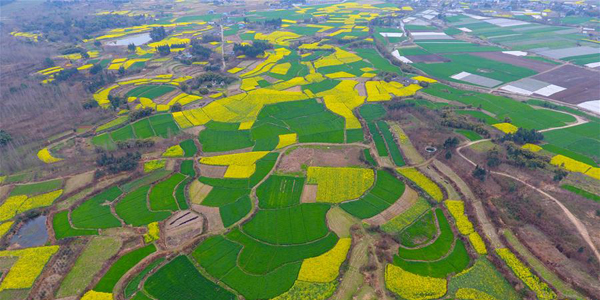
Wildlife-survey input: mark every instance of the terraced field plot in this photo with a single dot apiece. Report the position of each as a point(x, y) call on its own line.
point(275, 145)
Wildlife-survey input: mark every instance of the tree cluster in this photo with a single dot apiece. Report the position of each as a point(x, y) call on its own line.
point(450, 119)
point(68, 28)
point(209, 38)
point(524, 136)
point(164, 50)
point(257, 48)
point(450, 143)
point(479, 173)
point(211, 79)
point(158, 33)
point(116, 101)
point(135, 144)
point(199, 52)
point(140, 113)
point(66, 74)
point(110, 164)
point(5, 138)
point(275, 23)
point(519, 157)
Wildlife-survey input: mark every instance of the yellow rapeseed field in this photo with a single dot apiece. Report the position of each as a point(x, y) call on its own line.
point(335, 185)
point(173, 151)
point(532, 147)
point(240, 159)
point(234, 70)
point(153, 233)
point(472, 294)
point(340, 74)
point(280, 38)
point(11, 205)
point(423, 78)
point(42, 200)
point(412, 286)
point(45, 156)
point(251, 83)
point(570, 164)
point(246, 125)
point(30, 263)
point(541, 289)
point(236, 171)
point(152, 165)
point(506, 127)
point(93, 295)
point(457, 209)
point(286, 140)
point(5, 227)
point(239, 165)
point(477, 243)
point(342, 100)
point(325, 267)
point(181, 120)
point(281, 69)
point(423, 182)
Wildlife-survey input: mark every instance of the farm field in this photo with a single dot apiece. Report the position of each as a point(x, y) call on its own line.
point(299, 150)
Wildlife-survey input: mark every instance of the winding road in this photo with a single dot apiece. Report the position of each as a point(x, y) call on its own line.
point(576, 222)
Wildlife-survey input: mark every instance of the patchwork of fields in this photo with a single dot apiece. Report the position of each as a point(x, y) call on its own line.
point(192, 193)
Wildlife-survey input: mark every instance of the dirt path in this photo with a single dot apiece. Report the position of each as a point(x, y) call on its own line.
point(223, 47)
point(579, 121)
point(353, 278)
point(486, 224)
point(408, 198)
point(581, 229)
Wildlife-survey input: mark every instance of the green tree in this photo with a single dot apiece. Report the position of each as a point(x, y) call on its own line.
point(5, 138)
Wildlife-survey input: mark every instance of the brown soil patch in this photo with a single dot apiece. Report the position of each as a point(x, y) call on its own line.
point(309, 193)
point(431, 58)
point(246, 63)
point(249, 149)
point(294, 89)
point(212, 171)
point(212, 215)
point(78, 181)
point(198, 191)
point(545, 250)
point(323, 156)
point(408, 198)
point(339, 221)
point(361, 89)
point(152, 155)
point(536, 65)
point(164, 99)
point(182, 227)
point(195, 131)
point(438, 178)
point(49, 280)
point(170, 164)
point(582, 85)
point(4, 190)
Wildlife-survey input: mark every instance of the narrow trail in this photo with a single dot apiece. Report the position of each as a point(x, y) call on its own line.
point(223, 47)
point(576, 222)
point(579, 121)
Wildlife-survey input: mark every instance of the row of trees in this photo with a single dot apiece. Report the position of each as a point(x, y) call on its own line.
point(257, 48)
point(67, 27)
point(111, 164)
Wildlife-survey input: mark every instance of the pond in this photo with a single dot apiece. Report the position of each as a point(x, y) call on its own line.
point(138, 39)
point(32, 234)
